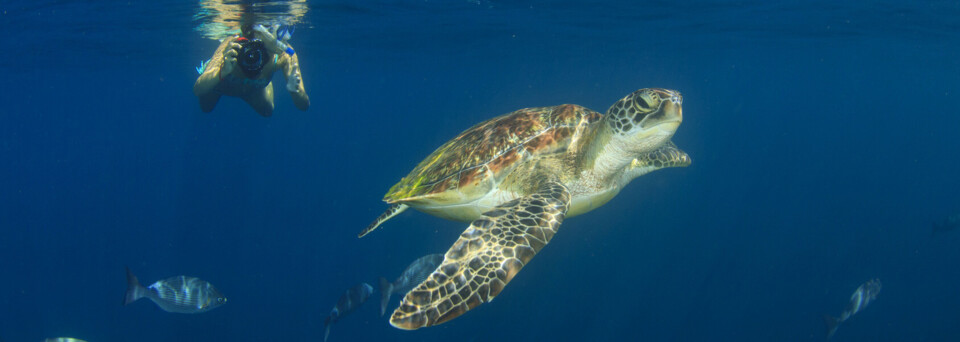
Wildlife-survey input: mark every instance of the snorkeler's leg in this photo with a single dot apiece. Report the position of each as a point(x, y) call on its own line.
point(261, 101)
point(208, 101)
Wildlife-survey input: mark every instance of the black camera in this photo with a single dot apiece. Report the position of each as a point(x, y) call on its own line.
point(253, 56)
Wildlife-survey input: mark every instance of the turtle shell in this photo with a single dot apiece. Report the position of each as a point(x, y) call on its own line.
point(465, 167)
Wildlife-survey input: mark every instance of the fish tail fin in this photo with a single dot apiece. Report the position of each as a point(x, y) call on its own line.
point(386, 289)
point(134, 289)
point(832, 324)
point(326, 329)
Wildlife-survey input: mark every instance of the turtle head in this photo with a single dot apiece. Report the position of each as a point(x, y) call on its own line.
point(646, 119)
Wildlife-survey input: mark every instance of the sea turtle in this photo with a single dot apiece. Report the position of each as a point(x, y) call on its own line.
point(516, 177)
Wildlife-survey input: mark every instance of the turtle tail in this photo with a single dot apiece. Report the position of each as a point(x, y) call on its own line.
point(390, 213)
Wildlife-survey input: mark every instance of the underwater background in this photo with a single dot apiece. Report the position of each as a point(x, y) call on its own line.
point(824, 138)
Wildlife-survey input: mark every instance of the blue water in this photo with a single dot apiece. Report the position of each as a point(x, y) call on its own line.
point(824, 138)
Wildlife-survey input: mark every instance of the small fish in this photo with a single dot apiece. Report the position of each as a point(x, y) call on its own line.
point(862, 297)
point(178, 294)
point(949, 223)
point(416, 273)
point(63, 339)
point(349, 302)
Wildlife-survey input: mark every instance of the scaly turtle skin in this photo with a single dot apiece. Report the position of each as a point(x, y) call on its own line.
point(516, 177)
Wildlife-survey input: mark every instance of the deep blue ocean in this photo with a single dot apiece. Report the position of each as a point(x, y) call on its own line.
point(824, 137)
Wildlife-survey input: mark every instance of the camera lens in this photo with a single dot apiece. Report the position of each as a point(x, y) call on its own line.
point(251, 57)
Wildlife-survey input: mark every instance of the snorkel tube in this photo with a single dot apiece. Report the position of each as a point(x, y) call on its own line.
point(285, 32)
point(286, 48)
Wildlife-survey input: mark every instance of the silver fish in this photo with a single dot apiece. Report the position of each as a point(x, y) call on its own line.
point(416, 273)
point(862, 297)
point(349, 302)
point(63, 339)
point(178, 294)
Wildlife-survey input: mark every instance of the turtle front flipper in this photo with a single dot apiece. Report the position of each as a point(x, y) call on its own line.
point(667, 155)
point(485, 258)
point(390, 213)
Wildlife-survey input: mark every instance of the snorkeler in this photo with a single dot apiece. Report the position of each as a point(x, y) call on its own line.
point(242, 66)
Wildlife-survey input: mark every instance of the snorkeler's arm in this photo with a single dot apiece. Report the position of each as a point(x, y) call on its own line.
point(291, 72)
point(222, 63)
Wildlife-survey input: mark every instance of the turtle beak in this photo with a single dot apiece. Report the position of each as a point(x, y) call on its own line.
point(673, 104)
point(678, 101)
point(670, 113)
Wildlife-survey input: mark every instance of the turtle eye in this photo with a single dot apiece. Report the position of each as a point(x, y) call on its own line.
point(641, 103)
point(643, 111)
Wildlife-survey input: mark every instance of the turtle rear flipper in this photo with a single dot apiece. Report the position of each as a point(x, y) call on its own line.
point(394, 210)
point(485, 258)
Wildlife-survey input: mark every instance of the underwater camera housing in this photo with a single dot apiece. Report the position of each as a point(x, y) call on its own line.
point(253, 56)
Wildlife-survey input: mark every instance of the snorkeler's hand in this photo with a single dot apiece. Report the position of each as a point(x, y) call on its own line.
point(229, 59)
point(293, 81)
